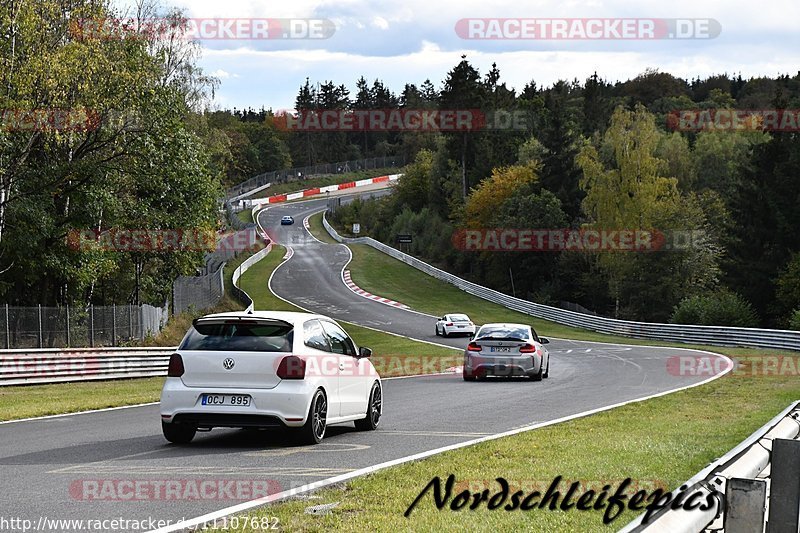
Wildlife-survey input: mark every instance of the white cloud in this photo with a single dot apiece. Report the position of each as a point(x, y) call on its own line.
point(410, 41)
point(380, 22)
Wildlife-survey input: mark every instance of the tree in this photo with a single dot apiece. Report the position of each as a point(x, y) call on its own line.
point(462, 91)
point(626, 190)
point(491, 193)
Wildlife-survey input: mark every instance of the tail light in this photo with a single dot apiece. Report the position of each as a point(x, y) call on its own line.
point(175, 369)
point(473, 347)
point(292, 367)
point(528, 348)
point(449, 324)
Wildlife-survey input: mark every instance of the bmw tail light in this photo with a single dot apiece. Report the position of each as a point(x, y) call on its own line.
point(292, 367)
point(528, 348)
point(473, 347)
point(175, 369)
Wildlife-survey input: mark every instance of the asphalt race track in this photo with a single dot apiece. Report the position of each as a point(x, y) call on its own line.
point(48, 464)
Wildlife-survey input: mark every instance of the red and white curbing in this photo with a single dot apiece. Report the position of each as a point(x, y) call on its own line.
point(361, 292)
point(278, 198)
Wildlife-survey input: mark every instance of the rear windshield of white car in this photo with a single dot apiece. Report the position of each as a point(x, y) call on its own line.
point(459, 318)
point(240, 337)
point(504, 333)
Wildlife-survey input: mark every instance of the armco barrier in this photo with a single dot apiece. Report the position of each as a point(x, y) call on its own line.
point(51, 365)
point(241, 269)
point(744, 488)
point(710, 335)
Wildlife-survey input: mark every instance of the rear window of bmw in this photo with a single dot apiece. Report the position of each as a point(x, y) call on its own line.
point(240, 336)
point(504, 333)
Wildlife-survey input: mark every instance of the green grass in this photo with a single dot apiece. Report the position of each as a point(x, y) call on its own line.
point(245, 216)
point(323, 181)
point(40, 400)
point(658, 443)
point(318, 230)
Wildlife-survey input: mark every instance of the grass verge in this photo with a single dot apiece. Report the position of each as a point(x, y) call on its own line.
point(245, 216)
point(41, 400)
point(659, 443)
point(318, 229)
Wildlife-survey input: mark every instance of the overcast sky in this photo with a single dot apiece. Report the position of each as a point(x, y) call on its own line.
point(411, 40)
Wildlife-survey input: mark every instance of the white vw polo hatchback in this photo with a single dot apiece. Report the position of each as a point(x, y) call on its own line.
point(269, 369)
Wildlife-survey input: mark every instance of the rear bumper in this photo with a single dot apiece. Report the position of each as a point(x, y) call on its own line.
point(217, 420)
point(287, 404)
point(452, 330)
point(525, 365)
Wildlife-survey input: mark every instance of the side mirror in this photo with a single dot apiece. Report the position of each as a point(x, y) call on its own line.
point(544, 340)
point(364, 352)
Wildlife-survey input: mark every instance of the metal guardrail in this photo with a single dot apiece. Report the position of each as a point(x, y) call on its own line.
point(241, 269)
point(747, 492)
point(709, 335)
point(52, 365)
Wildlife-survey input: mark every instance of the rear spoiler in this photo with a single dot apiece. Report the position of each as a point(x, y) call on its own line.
point(249, 319)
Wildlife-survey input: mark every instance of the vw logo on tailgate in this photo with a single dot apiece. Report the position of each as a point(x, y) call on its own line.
point(228, 363)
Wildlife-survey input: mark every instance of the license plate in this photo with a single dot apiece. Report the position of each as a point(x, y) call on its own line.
point(225, 399)
point(499, 349)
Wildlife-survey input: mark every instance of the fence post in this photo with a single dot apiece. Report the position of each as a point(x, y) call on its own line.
point(745, 501)
point(68, 339)
point(8, 331)
point(91, 325)
point(784, 499)
point(40, 326)
point(113, 324)
point(130, 321)
point(141, 321)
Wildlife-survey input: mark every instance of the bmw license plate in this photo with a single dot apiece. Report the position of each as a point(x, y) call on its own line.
point(499, 349)
point(225, 399)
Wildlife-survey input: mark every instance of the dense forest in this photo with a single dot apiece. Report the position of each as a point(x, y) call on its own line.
point(153, 154)
point(605, 155)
